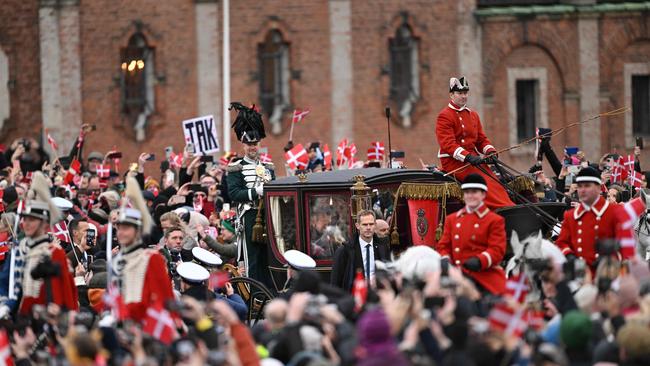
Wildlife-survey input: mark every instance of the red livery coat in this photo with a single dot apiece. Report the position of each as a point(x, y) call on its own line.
point(479, 234)
point(582, 228)
point(143, 286)
point(459, 132)
point(64, 291)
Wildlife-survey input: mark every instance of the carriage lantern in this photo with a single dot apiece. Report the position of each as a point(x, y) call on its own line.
point(360, 199)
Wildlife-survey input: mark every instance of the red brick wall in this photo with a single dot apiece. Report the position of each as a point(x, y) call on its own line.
point(305, 25)
point(373, 24)
point(19, 41)
point(552, 45)
point(622, 40)
point(106, 27)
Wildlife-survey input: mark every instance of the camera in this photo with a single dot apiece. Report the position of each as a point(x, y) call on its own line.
point(312, 310)
point(46, 269)
point(607, 247)
point(90, 238)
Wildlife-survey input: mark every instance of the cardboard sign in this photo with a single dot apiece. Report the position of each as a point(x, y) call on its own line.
point(202, 133)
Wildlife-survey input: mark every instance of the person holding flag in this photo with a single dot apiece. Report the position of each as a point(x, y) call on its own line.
point(246, 178)
point(316, 162)
point(462, 141)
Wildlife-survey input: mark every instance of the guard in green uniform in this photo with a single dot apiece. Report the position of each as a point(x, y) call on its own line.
point(246, 178)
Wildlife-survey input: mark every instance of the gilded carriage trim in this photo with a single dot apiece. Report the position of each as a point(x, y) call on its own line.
point(521, 184)
point(429, 191)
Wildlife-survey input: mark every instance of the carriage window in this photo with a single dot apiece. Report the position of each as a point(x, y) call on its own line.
point(283, 217)
point(329, 224)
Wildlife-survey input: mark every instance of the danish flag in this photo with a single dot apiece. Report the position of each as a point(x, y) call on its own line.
point(517, 287)
point(628, 162)
point(636, 179)
point(75, 169)
point(376, 151)
point(160, 324)
point(508, 320)
point(218, 279)
point(60, 231)
point(327, 157)
point(297, 157)
point(298, 115)
point(619, 173)
point(103, 171)
point(176, 160)
point(50, 141)
point(345, 153)
point(625, 230)
point(359, 291)
point(265, 157)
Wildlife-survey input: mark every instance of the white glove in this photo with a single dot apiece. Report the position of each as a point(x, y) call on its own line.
point(4, 312)
point(260, 190)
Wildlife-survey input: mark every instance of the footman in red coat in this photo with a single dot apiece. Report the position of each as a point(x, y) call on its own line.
point(592, 220)
point(462, 142)
point(474, 238)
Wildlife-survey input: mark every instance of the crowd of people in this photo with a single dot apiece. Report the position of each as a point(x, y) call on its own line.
point(100, 264)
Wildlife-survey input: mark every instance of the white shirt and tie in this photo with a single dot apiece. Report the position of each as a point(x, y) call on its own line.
point(367, 250)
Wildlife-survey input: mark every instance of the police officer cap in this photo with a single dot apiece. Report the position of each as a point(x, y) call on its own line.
point(299, 260)
point(62, 203)
point(206, 257)
point(192, 272)
point(589, 174)
point(474, 181)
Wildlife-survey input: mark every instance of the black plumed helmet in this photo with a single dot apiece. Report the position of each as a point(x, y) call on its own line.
point(248, 125)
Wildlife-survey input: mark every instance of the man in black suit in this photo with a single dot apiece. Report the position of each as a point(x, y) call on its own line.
point(360, 253)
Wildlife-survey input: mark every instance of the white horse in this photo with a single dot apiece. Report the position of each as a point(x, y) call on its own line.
point(534, 247)
point(527, 253)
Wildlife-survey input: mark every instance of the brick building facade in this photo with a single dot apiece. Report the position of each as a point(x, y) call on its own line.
point(549, 65)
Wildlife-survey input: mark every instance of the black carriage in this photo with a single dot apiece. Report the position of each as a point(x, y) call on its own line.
point(313, 213)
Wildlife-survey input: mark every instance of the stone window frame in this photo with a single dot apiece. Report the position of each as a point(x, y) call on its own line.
point(284, 86)
point(5, 93)
point(407, 107)
point(629, 70)
point(526, 73)
point(149, 105)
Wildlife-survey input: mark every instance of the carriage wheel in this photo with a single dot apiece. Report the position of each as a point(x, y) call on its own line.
point(255, 295)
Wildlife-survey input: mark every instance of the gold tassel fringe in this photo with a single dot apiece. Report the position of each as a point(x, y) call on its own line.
point(429, 191)
point(522, 184)
point(258, 228)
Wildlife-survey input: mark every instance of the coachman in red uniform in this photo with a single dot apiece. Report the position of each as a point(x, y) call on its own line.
point(143, 275)
point(475, 238)
point(462, 141)
point(594, 219)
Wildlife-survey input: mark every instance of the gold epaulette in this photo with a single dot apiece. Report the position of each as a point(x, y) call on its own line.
point(234, 166)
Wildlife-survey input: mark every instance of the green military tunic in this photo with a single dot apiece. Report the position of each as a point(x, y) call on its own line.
point(243, 178)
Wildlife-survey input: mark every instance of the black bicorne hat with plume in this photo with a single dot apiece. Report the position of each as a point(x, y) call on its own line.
point(248, 125)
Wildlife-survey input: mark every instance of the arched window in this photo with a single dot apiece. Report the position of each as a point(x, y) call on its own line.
point(404, 72)
point(137, 65)
point(4, 88)
point(273, 60)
